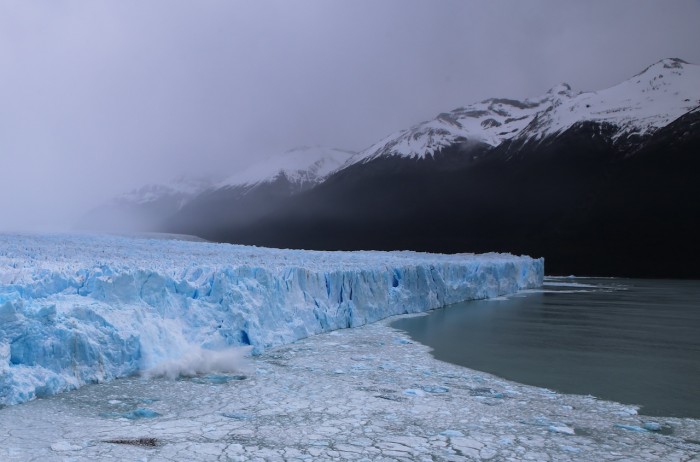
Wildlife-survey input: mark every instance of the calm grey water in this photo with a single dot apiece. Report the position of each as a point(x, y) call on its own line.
point(626, 340)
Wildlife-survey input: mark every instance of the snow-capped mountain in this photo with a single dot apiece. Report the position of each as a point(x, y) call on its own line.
point(305, 166)
point(158, 207)
point(181, 188)
point(646, 102)
point(144, 208)
point(641, 105)
point(253, 192)
point(490, 121)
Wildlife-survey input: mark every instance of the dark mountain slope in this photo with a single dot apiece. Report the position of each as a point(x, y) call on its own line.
point(645, 222)
point(228, 208)
point(579, 199)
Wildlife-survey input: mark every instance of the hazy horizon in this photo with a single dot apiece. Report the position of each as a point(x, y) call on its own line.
point(101, 98)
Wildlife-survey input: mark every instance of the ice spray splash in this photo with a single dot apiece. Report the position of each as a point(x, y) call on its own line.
point(203, 361)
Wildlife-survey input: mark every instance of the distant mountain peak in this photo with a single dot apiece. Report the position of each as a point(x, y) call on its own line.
point(304, 165)
point(673, 62)
point(182, 187)
point(666, 63)
point(560, 89)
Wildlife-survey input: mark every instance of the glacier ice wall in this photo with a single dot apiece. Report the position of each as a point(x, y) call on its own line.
point(76, 309)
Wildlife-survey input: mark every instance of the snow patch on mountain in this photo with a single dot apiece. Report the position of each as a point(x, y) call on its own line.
point(76, 309)
point(306, 165)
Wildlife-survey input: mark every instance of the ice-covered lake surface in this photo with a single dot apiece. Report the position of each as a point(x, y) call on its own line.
point(367, 393)
point(628, 340)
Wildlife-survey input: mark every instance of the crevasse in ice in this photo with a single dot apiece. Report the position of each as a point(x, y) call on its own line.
point(76, 309)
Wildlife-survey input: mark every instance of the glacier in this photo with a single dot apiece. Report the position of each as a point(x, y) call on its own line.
point(77, 309)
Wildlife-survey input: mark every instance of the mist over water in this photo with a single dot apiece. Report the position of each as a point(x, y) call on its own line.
point(631, 341)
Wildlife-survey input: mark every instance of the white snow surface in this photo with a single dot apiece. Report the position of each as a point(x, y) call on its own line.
point(76, 309)
point(305, 165)
point(640, 105)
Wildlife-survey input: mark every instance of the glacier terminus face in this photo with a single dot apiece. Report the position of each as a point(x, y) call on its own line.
point(77, 309)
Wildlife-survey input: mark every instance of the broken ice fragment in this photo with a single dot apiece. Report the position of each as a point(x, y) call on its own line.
point(61, 446)
point(236, 415)
point(632, 428)
point(414, 392)
point(435, 389)
point(141, 413)
point(561, 429)
point(652, 426)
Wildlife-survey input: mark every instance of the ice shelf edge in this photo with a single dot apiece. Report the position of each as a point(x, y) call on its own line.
point(68, 318)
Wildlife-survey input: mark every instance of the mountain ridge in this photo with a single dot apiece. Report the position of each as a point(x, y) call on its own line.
point(502, 119)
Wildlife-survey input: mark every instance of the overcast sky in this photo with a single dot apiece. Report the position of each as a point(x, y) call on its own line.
point(99, 97)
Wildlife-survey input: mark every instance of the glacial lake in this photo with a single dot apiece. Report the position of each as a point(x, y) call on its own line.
point(626, 340)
